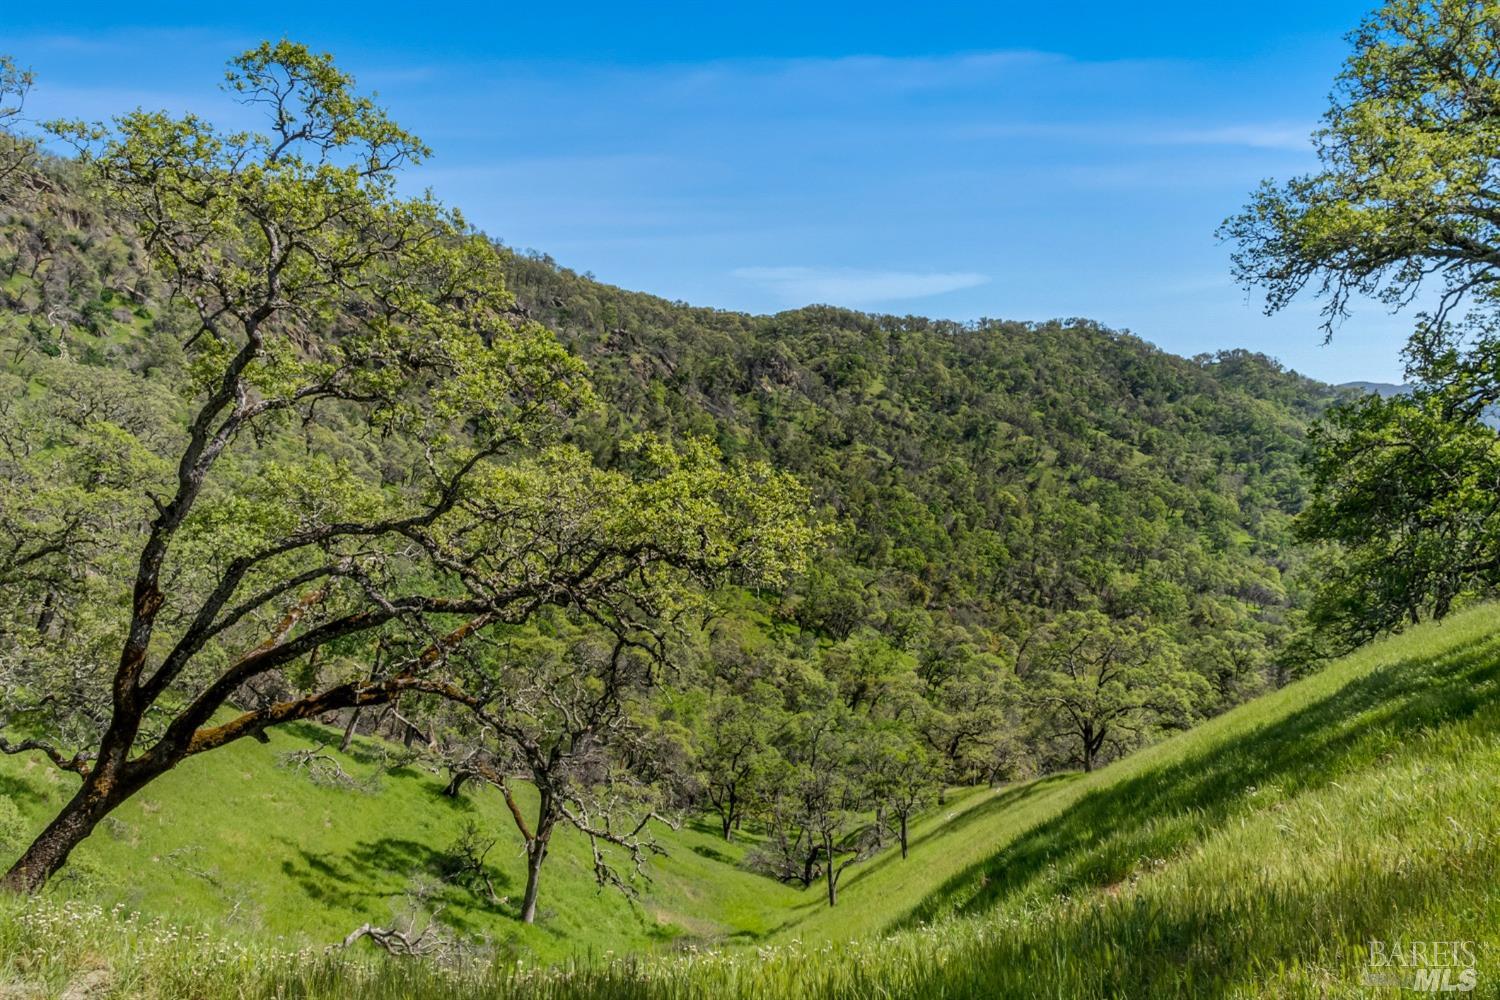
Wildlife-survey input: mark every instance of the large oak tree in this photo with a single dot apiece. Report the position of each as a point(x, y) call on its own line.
point(1406, 201)
point(362, 453)
point(1405, 207)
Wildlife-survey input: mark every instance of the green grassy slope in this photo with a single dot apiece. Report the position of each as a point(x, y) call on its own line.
point(238, 837)
point(1256, 854)
point(241, 839)
point(1389, 755)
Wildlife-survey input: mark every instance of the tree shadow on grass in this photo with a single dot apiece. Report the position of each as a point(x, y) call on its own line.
point(435, 791)
point(384, 869)
point(313, 732)
point(699, 824)
point(1222, 940)
point(961, 823)
point(329, 879)
point(712, 854)
point(1108, 832)
point(22, 791)
point(366, 751)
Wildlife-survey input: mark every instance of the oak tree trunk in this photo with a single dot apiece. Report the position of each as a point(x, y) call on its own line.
point(730, 818)
point(536, 853)
point(348, 739)
point(457, 782)
point(833, 890)
point(99, 794)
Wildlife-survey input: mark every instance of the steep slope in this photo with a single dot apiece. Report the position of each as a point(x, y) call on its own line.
point(1382, 766)
point(1258, 854)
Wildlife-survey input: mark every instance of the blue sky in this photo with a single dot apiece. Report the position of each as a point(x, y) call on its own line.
point(955, 160)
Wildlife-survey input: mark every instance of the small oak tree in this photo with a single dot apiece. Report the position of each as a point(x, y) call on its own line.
point(737, 754)
point(903, 776)
point(1093, 682)
point(563, 715)
point(818, 812)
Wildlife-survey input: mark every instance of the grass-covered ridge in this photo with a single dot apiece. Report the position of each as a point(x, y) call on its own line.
point(1257, 854)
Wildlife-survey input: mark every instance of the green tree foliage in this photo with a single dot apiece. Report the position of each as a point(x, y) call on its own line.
point(821, 796)
point(737, 756)
point(391, 429)
point(1100, 686)
point(1409, 488)
point(565, 713)
point(1406, 195)
point(1405, 207)
point(971, 720)
point(902, 776)
point(16, 149)
point(364, 455)
point(984, 478)
point(871, 675)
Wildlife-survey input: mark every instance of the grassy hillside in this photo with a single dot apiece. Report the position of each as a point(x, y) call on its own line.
point(241, 838)
point(1255, 855)
point(246, 841)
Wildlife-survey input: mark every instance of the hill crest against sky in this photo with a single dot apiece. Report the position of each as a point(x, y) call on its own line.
point(981, 162)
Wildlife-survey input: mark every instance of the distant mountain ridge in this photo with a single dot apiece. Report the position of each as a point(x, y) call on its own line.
point(1385, 390)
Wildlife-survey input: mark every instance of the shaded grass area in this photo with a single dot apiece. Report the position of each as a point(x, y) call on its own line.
point(1257, 855)
point(1158, 811)
point(238, 839)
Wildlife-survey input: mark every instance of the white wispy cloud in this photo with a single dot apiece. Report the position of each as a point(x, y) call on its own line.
point(1251, 135)
point(853, 286)
point(1255, 136)
point(860, 77)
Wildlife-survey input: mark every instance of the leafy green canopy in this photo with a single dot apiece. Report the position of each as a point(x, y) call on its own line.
point(1409, 488)
point(1406, 207)
point(985, 478)
point(1408, 196)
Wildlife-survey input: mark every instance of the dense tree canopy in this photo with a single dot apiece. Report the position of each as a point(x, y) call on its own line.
point(985, 479)
point(1409, 488)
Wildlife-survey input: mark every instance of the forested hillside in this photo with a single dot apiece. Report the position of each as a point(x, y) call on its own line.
point(989, 477)
point(388, 611)
point(1258, 855)
point(978, 481)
